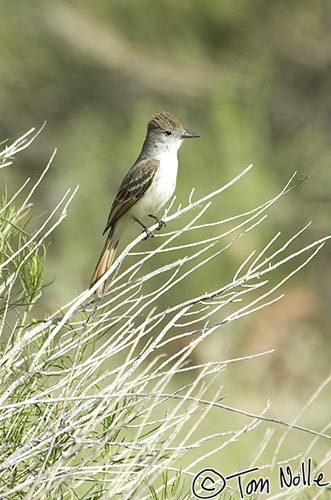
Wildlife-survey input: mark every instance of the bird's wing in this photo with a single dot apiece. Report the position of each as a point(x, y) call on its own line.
point(134, 185)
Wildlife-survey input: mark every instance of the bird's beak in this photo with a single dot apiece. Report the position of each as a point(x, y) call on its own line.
point(189, 135)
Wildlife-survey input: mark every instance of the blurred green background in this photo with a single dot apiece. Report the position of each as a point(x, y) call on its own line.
point(254, 78)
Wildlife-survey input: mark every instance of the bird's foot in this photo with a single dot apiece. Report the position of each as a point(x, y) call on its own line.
point(161, 223)
point(148, 232)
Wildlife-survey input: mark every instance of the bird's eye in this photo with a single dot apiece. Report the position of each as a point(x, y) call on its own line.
point(167, 132)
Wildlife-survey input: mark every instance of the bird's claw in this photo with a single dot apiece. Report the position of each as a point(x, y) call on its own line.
point(161, 223)
point(148, 233)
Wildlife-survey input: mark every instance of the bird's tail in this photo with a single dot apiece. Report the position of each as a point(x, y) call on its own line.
point(104, 263)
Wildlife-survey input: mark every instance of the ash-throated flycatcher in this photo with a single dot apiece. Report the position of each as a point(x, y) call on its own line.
point(147, 186)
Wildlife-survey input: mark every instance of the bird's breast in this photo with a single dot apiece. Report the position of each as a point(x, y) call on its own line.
point(165, 178)
point(161, 188)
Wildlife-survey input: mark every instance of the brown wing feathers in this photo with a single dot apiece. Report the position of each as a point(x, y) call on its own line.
point(134, 185)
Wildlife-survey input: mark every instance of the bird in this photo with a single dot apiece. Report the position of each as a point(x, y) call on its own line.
point(146, 187)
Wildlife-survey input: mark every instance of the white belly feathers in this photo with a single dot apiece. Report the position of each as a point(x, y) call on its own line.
point(161, 189)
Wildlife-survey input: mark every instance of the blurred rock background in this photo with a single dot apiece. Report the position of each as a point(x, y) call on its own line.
point(253, 78)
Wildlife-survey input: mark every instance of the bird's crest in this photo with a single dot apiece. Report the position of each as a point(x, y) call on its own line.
point(164, 121)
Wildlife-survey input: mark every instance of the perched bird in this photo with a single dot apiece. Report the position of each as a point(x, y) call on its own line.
point(146, 188)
